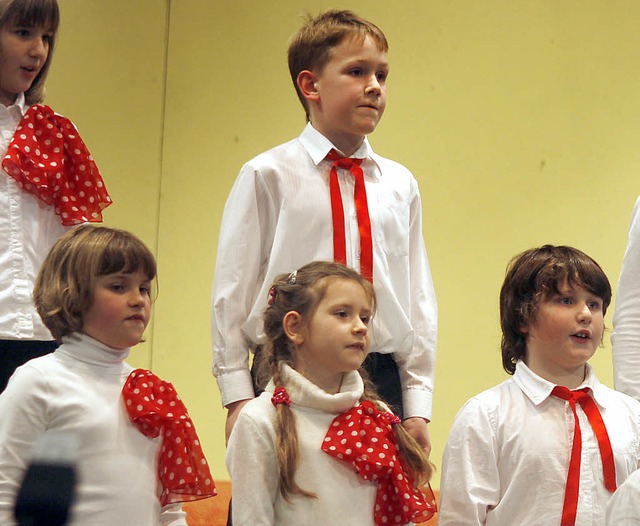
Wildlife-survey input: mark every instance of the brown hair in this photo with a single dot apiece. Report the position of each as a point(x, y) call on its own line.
point(63, 291)
point(310, 48)
point(533, 276)
point(33, 13)
point(303, 294)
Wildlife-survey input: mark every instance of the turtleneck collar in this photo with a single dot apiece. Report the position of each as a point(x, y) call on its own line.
point(305, 393)
point(88, 350)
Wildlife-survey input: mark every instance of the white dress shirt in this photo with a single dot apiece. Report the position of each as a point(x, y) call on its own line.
point(278, 218)
point(78, 390)
point(626, 318)
point(344, 497)
point(28, 229)
point(507, 457)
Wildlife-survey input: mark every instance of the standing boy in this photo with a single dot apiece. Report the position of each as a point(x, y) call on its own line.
point(549, 445)
point(327, 196)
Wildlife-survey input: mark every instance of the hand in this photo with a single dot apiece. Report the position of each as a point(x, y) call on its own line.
point(418, 429)
point(232, 415)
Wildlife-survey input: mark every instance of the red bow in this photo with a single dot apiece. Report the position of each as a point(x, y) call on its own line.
point(154, 407)
point(364, 437)
point(48, 158)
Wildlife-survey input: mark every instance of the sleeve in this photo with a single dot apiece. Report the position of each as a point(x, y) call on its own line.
point(23, 413)
point(172, 515)
point(470, 483)
point(251, 461)
point(238, 273)
point(417, 368)
point(626, 319)
point(624, 507)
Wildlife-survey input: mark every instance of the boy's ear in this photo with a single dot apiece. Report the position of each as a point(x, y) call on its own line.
point(293, 324)
point(307, 81)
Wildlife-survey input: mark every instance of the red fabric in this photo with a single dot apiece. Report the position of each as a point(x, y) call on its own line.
point(48, 158)
point(581, 396)
point(362, 213)
point(155, 407)
point(364, 438)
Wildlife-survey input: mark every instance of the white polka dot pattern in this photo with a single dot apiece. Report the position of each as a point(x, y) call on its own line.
point(364, 437)
point(48, 158)
point(155, 407)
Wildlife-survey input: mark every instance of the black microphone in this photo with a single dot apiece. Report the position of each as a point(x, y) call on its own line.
point(48, 487)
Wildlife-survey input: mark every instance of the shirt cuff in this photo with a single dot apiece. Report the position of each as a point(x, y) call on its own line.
point(235, 386)
point(417, 403)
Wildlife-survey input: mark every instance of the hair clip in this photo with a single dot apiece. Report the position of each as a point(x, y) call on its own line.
point(291, 280)
point(273, 294)
point(280, 396)
point(391, 418)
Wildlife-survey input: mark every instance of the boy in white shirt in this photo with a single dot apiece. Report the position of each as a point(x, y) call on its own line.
point(549, 445)
point(304, 201)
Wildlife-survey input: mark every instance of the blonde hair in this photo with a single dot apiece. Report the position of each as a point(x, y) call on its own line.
point(63, 291)
point(310, 48)
point(302, 294)
point(33, 13)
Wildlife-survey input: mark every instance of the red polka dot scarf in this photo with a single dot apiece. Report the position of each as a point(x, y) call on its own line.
point(155, 407)
point(364, 437)
point(48, 158)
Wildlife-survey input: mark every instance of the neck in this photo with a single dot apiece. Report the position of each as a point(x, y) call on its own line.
point(569, 378)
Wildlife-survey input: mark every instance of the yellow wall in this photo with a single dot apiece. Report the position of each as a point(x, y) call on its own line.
point(518, 119)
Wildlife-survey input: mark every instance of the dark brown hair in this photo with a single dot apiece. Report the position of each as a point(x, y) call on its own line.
point(533, 276)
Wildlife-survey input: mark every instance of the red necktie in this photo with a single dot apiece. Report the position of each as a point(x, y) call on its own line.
point(362, 213)
point(590, 408)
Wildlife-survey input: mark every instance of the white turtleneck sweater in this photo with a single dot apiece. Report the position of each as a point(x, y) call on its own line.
point(77, 390)
point(344, 497)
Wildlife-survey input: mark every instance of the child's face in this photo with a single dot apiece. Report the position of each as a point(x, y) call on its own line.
point(351, 93)
point(120, 310)
point(335, 339)
point(23, 52)
point(565, 333)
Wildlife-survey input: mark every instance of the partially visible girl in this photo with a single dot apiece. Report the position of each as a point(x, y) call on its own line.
point(138, 454)
point(318, 446)
point(48, 179)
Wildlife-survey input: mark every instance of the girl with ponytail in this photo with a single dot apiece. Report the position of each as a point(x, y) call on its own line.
point(318, 446)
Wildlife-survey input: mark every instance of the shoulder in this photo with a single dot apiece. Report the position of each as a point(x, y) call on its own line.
point(392, 167)
point(616, 399)
point(289, 151)
point(486, 405)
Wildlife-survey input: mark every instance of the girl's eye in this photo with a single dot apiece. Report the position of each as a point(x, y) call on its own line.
point(381, 76)
point(22, 32)
point(145, 290)
point(565, 301)
point(341, 314)
point(117, 287)
point(365, 319)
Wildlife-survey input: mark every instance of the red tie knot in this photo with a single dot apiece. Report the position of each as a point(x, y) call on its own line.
point(566, 394)
point(343, 162)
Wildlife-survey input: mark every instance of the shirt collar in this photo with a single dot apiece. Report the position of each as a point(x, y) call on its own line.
point(537, 389)
point(18, 108)
point(319, 146)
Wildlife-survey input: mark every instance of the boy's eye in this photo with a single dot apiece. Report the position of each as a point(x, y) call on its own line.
point(594, 305)
point(381, 76)
point(356, 72)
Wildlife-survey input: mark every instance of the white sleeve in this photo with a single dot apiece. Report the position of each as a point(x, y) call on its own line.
point(172, 515)
point(23, 418)
point(251, 461)
point(470, 483)
point(624, 507)
point(417, 368)
point(237, 279)
point(626, 319)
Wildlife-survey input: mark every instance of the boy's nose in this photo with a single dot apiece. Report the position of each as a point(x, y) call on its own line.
point(584, 315)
